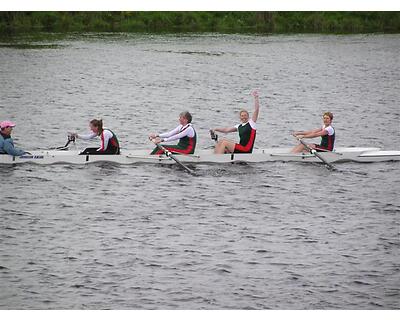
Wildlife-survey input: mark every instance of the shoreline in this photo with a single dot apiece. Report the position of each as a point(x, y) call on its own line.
point(263, 23)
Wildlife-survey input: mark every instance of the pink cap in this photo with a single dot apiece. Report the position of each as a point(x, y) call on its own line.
point(5, 124)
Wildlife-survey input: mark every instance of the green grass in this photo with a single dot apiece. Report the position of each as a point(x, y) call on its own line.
point(224, 22)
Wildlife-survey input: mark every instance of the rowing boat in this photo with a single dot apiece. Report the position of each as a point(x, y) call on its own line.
point(46, 157)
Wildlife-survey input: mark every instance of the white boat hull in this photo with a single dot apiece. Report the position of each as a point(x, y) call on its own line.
point(204, 156)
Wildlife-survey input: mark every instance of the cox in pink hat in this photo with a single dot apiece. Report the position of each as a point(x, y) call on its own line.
point(5, 124)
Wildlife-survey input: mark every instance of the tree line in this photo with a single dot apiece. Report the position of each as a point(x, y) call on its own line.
point(225, 22)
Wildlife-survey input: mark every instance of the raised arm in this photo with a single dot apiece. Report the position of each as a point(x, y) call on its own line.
point(256, 105)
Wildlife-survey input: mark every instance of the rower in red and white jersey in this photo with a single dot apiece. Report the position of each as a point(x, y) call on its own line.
point(185, 133)
point(246, 129)
point(109, 141)
point(327, 134)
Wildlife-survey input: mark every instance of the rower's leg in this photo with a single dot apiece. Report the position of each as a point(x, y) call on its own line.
point(172, 148)
point(110, 150)
point(230, 146)
point(297, 149)
point(224, 146)
point(219, 148)
point(156, 151)
point(90, 151)
point(300, 148)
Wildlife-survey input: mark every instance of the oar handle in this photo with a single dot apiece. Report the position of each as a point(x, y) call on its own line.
point(213, 135)
point(71, 138)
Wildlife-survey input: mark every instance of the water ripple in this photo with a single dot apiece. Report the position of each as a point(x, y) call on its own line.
point(257, 236)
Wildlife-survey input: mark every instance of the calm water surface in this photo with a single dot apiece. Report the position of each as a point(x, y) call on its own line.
point(260, 236)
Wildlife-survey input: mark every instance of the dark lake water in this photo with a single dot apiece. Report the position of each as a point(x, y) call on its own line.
point(260, 236)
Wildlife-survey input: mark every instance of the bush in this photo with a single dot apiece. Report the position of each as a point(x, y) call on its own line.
point(280, 22)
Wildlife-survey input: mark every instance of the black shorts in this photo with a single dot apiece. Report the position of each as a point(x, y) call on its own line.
point(112, 150)
point(321, 149)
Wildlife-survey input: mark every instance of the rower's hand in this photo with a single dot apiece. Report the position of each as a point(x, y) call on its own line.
point(72, 134)
point(152, 136)
point(254, 93)
point(156, 140)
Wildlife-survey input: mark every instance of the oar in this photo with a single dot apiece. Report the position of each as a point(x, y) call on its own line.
point(70, 139)
point(213, 135)
point(317, 154)
point(171, 156)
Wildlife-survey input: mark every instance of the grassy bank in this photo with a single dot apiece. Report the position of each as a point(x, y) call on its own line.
point(226, 22)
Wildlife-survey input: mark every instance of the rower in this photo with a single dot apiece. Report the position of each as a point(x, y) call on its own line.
point(184, 132)
point(247, 132)
point(6, 142)
point(326, 132)
point(109, 141)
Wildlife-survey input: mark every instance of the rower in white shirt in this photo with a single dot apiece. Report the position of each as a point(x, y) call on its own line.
point(185, 133)
point(109, 141)
point(327, 134)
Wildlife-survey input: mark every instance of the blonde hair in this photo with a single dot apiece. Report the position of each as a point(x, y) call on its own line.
point(243, 110)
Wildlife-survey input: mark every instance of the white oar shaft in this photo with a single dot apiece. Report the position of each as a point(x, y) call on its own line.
point(170, 155)
point(315, 153)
